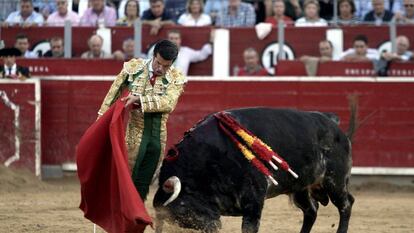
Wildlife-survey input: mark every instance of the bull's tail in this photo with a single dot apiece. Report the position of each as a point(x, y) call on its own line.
point(353, 120)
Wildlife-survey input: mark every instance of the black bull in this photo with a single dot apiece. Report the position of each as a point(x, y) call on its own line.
point(206, 176)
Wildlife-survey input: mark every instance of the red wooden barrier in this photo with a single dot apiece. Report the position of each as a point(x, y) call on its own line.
point(385, 140)
point(348, 69)
point(20, 124)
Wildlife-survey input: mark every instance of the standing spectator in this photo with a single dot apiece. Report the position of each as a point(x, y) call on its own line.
point(406, 17)
point(311, 18)
point(95, 43)
point(131, 12)
point(236, 14)
point(175, 8)
point(62, 14)
point(279, 14)
point(214, 7)
point(156, 16)
point(26, 17)
point(22, 43)
point(403, 53)
point(56, 48)
point(379, 14)
point(187, 55)
point(346, 12)
point(127, 53)
point(98, 14)
point(360, 51)
point(10, 69)
point(251, 64)
point(195, 15)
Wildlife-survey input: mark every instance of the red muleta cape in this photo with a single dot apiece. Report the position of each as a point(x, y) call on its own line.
point(108, 195)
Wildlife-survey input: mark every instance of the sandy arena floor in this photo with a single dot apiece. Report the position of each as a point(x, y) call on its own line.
point(29, 205)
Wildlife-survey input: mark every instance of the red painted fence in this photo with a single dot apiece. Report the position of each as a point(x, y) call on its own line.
point(384, 140)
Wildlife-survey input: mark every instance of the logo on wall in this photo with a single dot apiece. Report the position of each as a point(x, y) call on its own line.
point(385, 46)
point(270, 55)
point(41, 48)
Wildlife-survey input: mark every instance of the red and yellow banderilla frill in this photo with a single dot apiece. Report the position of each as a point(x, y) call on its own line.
point(260, 148)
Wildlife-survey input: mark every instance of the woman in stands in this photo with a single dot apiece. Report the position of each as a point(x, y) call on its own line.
point(279, 8)
point(346, 12)
point(131, 13)
point(194, 15)
point(311, 18)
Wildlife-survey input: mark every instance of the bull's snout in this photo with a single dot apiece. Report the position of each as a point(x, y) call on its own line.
point(172, 185)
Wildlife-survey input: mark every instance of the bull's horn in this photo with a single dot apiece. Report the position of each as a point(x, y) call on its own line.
point(174, 182)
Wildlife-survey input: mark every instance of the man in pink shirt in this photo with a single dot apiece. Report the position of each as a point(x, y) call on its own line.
point(98, 14)
point(62, 14)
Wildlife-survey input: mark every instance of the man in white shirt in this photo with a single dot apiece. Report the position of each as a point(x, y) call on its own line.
point(360, 51)
point(26, 17)
point(403, 54)
point(187, 55)
point(22, 43)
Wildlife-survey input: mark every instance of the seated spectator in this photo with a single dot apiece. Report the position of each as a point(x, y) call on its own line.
point(25, 17)
point(293, 9)
point(62, 14)
point(325, 52)
point(95, 43)
point(22, 43)
point(406, 17)
point(362, 7)
point(56, 48)
point(346, 12)
point(143, 6)
point(213, 8)
point(131, 12)
point(311, 18)
point(236, 14)
point(403, 54)
point(360, 51)
point(261, 9)
point(279, 14)
point(6, 7)
point(156, 16)
point(127, 53)
point(251, 64)
point(10, 69)
point(98, 14)
point(44, 7)
point(175, 8)
point(379, 14)
point(195, 15)
point(326, 9)
point(187, 55)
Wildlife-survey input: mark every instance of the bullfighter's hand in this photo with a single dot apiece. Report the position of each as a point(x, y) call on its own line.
point(131, 99)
